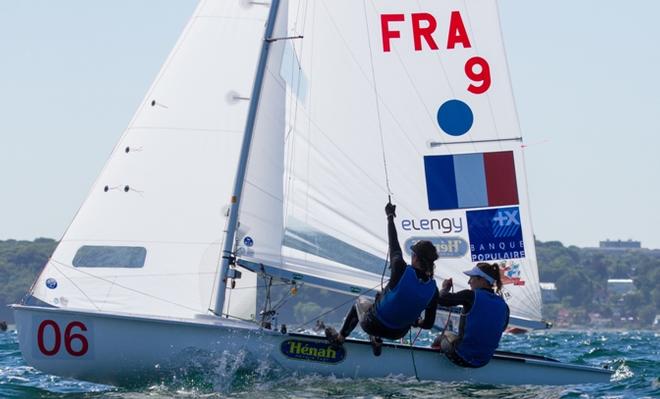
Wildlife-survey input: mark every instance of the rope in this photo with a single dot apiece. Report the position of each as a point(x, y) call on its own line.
point(114, 284)
point(376, 97)
point(334, 309)
point(412, 352)
point(442, 333)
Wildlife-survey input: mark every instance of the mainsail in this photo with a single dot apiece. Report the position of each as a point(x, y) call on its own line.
point(411, 99)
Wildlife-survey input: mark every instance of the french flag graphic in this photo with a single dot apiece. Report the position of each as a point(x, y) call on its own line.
point(470, 180)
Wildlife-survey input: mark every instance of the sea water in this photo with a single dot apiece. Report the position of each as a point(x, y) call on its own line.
point(635, 355)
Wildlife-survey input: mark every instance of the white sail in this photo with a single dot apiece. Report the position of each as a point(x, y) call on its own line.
point(415, 96)
point(147, 239)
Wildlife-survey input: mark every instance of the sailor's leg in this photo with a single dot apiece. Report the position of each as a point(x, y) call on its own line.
point(350, 322)
point(445, 342)
point(376, 345)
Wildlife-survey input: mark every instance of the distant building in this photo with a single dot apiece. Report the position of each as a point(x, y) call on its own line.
point(620, 286)
point(549, 293)
point(619, 244)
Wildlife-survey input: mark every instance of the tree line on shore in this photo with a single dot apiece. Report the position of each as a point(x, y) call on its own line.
point(580, 276)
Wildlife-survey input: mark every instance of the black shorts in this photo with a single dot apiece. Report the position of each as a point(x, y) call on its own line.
point(458, 360)
point(372, 326)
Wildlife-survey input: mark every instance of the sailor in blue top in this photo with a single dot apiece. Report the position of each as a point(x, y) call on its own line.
point(410, 290)
point(484, 318)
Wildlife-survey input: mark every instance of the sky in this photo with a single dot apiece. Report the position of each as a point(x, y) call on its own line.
point(585, 76)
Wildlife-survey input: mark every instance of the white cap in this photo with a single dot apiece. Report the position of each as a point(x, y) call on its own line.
point(476, 272)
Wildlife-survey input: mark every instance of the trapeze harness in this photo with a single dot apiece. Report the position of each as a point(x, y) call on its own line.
point(484, 325)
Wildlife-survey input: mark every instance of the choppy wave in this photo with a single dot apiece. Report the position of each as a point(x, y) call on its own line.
point(634, 355)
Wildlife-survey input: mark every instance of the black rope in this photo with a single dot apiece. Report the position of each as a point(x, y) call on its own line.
point(412, 353)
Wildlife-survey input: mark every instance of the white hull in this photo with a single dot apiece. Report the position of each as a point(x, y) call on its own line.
point(123, 349)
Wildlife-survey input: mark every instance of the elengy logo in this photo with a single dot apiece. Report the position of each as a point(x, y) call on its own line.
point(444, 225)
point(447, 247)
point(312, 351)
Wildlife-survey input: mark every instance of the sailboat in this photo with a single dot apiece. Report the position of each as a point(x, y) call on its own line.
point(265, 149)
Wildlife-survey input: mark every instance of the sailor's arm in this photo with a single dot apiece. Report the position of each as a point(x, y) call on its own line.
point(429, 313)
point(463, 298)
point(508, 314)
point(397, 264)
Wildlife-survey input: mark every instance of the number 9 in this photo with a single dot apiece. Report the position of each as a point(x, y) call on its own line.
point(482, 76)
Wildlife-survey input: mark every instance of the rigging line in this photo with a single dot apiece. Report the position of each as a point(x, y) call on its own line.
point(338, 233)
point(187, 130)
point(294, 118)
point(376, 97)
point(283, 300)
point(107, 294)
point(434, 144)
point(412, 352)
point(309, 120)
point(508, 75)
point(228, 288)
point(145, 241)
point(418, 93)
point(118, 285)
point(364, 75)
point(55, 263)
point(338, 148)
point(294, 98)
point(439, 58)
point(252, 287)
point(487, 94)
point(268, 280)
point(218, 263)
point(163, 275)
point(524, 305)
point(412, 83)
point(299, 326)
point(312, 122)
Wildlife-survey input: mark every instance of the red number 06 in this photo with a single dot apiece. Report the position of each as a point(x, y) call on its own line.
point(483, 76)
point(69, 338)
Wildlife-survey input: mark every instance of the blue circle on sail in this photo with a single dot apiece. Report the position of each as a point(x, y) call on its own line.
point(51, 283)
point(455, 117)
point(248, 241)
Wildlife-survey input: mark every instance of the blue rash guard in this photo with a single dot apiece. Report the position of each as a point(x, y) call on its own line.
point(401, 306)
point(483, 328)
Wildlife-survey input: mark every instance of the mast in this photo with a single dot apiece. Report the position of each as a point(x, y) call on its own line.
point(243, 158)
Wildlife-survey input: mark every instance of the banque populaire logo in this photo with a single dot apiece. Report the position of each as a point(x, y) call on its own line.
point(495, 234)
